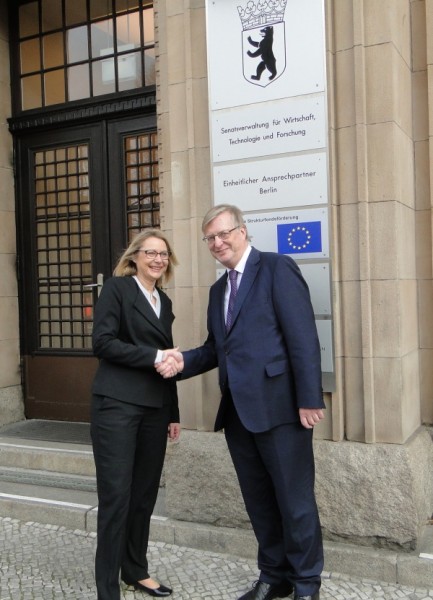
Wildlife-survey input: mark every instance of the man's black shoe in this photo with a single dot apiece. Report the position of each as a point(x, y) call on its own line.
point(315, 596)
point(268, 591)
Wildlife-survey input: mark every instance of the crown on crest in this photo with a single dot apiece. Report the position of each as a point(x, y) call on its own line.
point(262, 12)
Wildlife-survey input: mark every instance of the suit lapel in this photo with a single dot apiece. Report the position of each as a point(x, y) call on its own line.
point(220, 289)
point(142, 305)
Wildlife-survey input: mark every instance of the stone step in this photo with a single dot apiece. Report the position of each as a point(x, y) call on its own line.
point(66, 481)
point(71, 508)
point(74, 459)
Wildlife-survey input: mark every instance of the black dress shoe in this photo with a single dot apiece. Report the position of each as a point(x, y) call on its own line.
point(268, 591)
point(315, 596)
point(158, 592)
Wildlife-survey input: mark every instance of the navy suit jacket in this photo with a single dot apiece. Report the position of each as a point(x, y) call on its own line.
point(126, 337)
point(270, 359)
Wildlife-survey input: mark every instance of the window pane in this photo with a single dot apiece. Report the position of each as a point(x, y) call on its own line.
point(54, 87)
point(129, 71)
point(31, 92)
point(100, 8)
point(78, 82)
point(76, 44)
point(148, 26)
point(122, 5)
point(75, 11)
point(29, 20)
point(102, 38)
point(128, 30)
point(51, 15)
point(53, 50)
point(149, 67)
point(103, 81)
point(30, 56)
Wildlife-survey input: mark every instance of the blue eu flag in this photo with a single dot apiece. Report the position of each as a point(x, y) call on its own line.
point(299, 238)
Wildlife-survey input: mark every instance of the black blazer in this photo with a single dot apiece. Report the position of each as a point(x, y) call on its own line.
point(126, 336)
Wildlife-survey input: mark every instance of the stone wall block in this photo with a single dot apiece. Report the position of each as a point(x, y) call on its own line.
point(201, 484)
point(347, 171)
point(371, 493)
point(10, 373)
point(388, 80)
point(420, 105)
point(176, 49)
point(378, 494)
point(425, 295)
point(8, 279)
point(386, 318)
point(422, 179)
point(198, 43)
point(390, 164)
point(342, 16)
point(354, 390)
point(426, 385)
point(11, 405)
point(388, 21)
point(7, 198)
point(177, 119)
point(349, 318)
point(348, 242)
point(429, 29)
point(345, 89)
point(419, 36)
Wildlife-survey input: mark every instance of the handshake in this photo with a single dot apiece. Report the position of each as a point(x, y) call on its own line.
point(171, 363)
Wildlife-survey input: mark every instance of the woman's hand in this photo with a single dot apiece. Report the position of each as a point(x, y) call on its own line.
point(174, 431)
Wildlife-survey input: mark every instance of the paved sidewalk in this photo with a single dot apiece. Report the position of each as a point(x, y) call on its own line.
point(46, 562)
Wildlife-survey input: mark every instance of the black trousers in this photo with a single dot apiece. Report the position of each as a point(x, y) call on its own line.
point(276, 476)
point(129, 444)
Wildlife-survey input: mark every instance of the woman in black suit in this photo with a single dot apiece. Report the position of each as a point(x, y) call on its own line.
point(133, 411)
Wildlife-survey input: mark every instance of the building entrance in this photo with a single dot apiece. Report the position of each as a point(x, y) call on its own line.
point(83, 193)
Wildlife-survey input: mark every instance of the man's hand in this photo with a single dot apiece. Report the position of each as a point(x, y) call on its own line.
point(310, 416)
point(172, 363)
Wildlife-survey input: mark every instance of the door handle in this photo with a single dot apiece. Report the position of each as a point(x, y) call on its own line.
point(99, 283)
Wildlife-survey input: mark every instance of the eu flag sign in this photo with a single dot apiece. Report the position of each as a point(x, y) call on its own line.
point(299, 238)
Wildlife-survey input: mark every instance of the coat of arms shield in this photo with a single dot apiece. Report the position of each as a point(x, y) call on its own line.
point(264, 53)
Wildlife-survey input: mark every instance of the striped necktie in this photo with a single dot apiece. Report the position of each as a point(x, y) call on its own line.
point(233, 276)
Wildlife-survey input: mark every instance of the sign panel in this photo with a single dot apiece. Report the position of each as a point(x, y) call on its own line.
point(300, 233)
point(324, 331)
point(318, 280)
point(279, 127)
point(278, 183)
point(263, 50)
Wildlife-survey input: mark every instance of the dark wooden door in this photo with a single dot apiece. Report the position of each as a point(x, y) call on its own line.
point(82, 194)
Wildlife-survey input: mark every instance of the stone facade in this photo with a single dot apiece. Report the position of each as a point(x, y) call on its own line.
point(380, 103)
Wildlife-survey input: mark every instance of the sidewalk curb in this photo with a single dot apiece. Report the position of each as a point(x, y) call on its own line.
point(357, 561)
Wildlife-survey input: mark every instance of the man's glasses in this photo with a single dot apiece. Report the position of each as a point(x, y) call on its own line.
point(222, 235)
point(151, 254)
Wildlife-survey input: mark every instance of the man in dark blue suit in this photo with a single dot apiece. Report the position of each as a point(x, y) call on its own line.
point(263, 338)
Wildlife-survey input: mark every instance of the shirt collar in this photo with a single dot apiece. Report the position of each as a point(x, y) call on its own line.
point(240, 267)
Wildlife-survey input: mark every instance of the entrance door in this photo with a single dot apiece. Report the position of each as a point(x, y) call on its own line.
point(83, 194)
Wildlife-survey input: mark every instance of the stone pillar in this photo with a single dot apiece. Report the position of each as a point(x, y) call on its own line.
point(374, 218)
point(11, 405)
point(182, 108)
point(422, 17)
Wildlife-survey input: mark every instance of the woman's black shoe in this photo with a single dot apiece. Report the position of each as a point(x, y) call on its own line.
point(158, 592)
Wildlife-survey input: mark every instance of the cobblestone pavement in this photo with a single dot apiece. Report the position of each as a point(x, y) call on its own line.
point(46, 562)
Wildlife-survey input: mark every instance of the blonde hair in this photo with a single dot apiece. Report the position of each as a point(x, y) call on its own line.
point(234, 211)
point(126, 266)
